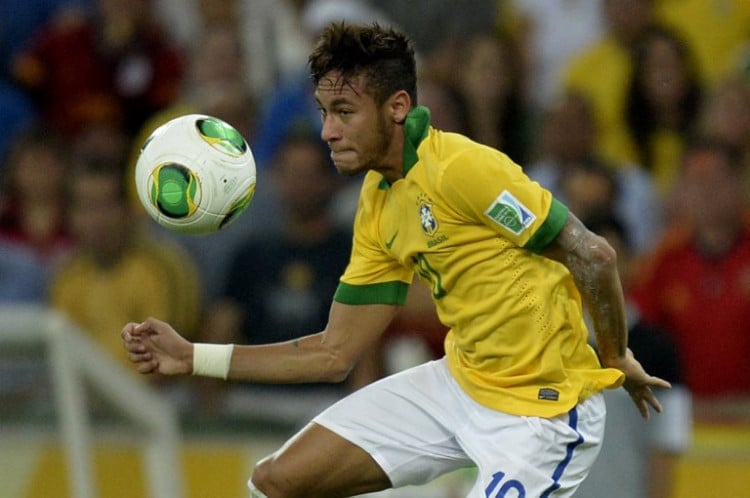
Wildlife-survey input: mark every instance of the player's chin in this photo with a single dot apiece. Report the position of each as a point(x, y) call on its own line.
point(347, 166)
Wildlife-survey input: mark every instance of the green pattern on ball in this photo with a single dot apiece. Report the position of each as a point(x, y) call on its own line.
point(238, 207)
point(222, 136)
point(173, 190)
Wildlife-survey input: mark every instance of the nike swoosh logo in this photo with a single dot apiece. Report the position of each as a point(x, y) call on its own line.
point(389, 243)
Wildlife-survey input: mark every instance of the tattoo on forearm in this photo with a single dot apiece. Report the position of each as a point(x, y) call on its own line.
point(597, 281)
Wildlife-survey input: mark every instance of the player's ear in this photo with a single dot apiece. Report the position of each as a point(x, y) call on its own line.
point(399, 105)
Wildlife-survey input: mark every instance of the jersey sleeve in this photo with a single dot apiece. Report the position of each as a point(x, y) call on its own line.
point(372, 275)
point(487, 186)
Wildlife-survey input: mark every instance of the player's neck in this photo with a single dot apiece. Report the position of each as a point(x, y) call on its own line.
point(392, 163)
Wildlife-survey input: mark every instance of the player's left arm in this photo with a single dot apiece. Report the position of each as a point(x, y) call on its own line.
point(593, 264)
point(327, 356)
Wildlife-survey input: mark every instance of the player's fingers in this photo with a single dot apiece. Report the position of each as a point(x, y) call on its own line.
point(639, 394)
point(140, 357)
point(147, 367)
point(657, 382)
point(653, 400)
point(128, 338)
point(656, 405)
point(134, 346)
point(150, 324)
point(643, 408)
point(648, 398)
point(127, 331)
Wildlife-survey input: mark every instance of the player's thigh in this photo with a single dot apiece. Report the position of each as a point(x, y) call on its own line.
point(406, 422)
point(531, 456)
point(319, 462)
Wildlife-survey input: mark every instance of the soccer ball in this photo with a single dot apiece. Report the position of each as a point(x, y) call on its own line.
point(195, 174)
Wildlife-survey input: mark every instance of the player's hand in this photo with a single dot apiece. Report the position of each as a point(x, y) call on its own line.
point(638, 384)
point(155, 347)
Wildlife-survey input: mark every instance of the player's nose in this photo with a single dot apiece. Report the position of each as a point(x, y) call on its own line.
point(329, 131)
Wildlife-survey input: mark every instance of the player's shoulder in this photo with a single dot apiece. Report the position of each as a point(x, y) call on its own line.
point(446, 154)
point(442, 149)
point(446, 143)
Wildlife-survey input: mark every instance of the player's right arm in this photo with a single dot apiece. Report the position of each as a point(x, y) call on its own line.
point(328, 356)
point(592, 263)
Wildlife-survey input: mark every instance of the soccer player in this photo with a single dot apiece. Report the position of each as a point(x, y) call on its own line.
point(518, 393)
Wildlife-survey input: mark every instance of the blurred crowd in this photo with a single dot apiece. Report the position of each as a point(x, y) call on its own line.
point(635, 113)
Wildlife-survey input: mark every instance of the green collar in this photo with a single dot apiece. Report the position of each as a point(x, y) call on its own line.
point(416, 126)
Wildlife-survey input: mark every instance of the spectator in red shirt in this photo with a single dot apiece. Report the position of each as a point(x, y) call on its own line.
point(32, 204)
point(697, 283)
point(112, 64)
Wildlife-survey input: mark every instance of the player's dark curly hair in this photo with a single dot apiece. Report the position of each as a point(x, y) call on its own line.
point(384, 56)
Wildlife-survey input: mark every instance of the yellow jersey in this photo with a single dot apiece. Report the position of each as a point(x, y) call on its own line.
point(471, 225)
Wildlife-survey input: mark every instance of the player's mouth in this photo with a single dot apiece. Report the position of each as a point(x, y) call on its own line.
point(341, 155)
point(345, 161)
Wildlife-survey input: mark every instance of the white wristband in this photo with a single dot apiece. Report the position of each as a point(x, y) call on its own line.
point(212, 360)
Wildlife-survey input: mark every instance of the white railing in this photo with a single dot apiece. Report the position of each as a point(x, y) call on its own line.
point(75, 358)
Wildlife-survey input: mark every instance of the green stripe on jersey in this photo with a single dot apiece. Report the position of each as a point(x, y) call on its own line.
point(558, 215)
point(382, 293)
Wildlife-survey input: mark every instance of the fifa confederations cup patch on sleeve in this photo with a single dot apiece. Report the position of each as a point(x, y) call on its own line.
point(510, 213)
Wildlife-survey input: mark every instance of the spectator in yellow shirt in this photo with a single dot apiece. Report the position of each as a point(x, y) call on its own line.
point(602, 73)
point(114, 272)
point(716, 30)
point(664, 98)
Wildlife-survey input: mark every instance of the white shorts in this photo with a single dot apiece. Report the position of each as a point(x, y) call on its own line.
point(419, 424)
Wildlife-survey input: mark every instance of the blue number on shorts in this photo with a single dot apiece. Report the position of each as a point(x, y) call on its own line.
point(513, 484)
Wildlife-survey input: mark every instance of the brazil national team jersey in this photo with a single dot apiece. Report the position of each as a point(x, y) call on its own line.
point(471, 225)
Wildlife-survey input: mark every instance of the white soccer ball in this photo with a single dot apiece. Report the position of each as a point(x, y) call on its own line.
point(195, 174)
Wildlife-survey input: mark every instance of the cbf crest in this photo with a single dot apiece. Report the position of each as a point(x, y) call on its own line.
point(427, 217)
